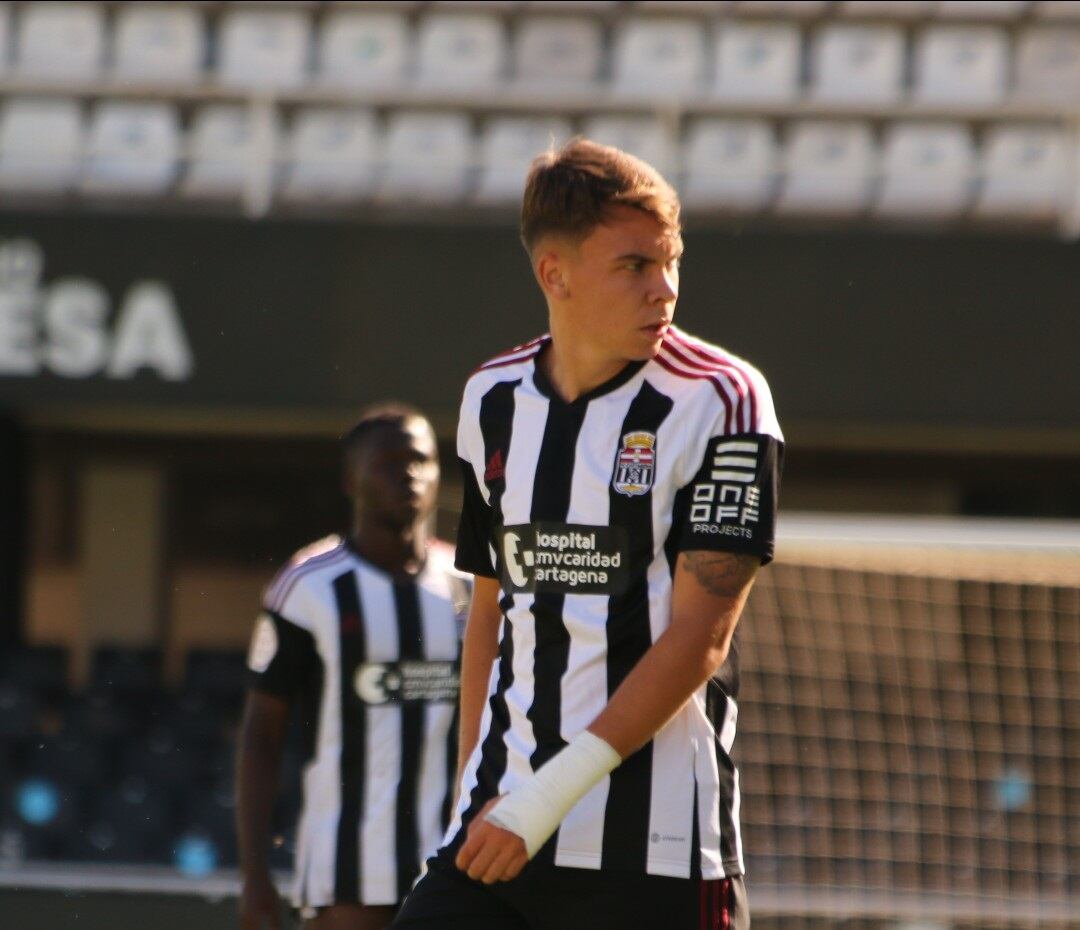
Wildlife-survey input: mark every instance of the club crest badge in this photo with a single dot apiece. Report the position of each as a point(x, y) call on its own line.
point(635, 464)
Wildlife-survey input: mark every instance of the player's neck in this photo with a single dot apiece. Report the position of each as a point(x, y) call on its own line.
point(398, 551)
point(574, 367)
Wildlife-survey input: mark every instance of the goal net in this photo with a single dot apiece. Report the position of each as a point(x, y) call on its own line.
point(909, 733)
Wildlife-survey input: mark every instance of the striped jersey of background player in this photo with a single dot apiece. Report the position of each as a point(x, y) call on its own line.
point(361, 634)
point(621, 481)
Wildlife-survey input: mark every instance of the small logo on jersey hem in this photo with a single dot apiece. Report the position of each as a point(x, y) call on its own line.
point(635, 465)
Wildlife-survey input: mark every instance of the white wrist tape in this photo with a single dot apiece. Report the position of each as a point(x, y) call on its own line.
point(537, 806)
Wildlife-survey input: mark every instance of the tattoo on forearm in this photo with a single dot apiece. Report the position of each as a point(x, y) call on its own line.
point(720, 573)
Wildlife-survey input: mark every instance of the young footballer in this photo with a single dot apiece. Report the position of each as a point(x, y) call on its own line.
point(620, 494)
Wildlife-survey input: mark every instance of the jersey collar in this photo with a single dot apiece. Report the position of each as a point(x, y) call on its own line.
point(545, 387)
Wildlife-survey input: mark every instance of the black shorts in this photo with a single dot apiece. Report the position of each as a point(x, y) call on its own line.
point(548, 898)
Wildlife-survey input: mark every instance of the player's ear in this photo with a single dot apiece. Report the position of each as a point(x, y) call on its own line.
point(551, 275)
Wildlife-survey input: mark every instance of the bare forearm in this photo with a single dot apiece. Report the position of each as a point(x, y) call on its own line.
point(258, 762)
point(709, 591)
point(657, 687)
point(478, 653)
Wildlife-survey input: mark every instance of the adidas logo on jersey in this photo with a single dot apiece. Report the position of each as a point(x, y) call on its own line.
point(495, 468)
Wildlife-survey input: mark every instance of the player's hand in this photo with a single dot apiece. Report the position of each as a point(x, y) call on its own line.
point(260, 905)
point(491, 854)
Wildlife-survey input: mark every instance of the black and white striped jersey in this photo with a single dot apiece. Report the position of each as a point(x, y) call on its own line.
point(580, 510)
point(374, 664)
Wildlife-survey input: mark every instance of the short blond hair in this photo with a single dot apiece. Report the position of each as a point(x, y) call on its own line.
point(570, 190)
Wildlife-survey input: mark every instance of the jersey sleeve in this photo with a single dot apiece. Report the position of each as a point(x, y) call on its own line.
point(281, 657)
point(475, 529)
point(730, 504)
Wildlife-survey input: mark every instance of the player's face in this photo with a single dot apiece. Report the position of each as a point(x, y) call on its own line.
point(394, 476)
point(623, 282)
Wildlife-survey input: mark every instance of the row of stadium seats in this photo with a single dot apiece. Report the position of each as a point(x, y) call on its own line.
point(345, 155)
point(124, 770)
point(643, 57)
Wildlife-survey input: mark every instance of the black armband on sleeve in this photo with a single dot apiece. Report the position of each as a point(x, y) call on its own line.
point(730, 506)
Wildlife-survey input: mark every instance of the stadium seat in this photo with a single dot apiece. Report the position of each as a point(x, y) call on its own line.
point(158, 43)
point(460, 50)
point(643, 136)
point(1048, 63)
point(363, 49)
point(61, 41)
point(19, 712)
point(99, 840)
point(981, 9)
point(426, 157)
point(68, 757)
point(857, 63)
point(729, 164)
point(592, 6)
point(960, 64)
point(125, 671)
point(1024, 173)
point(658, 56)
point(680, 6)
point(887, 9)
point(133, 148)
point(331, 155)
point(99, 717)
point(5, 37)
point(263, 48)
point(757, 63)
point(40, 145)
point(41, 669)
point(557, 50)
point(507, 147)
point(828, 168)
point(783, 8)
point(927, 170)
point(1058, 10)
point(226, 145)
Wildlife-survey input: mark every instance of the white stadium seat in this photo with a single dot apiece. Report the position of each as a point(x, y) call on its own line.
point(62, 41)
point(226, 145)
point(460, 50)
point(5, 37)
point(658, 56)
point(1048, 63)
point(643, 136)
point(332, 155)
point(783, 8)
point(680, 6)
point(508, 146)
point(757, 63)
point(557, 49)
point(263, 48)
point(927, 170)
point(427, 157)
point(828, 168)
point(1058, 9)
point(981, 9)
point(729, 164)
point(363, 49)
point(1024, 173)
point(133, 148)
point(886, 9)
point(857, 64)
point(961, 64)
point(158, 42)
point(592, 6)
point(40, 145)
